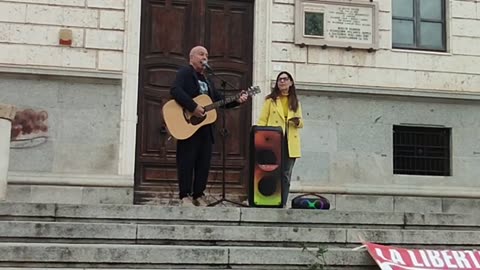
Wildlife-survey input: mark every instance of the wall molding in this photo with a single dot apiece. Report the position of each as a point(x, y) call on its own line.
point(128, 120)
point(63, 72)
point(389, 190)
point(68, 179)
point(262, 51)
point(385, 91)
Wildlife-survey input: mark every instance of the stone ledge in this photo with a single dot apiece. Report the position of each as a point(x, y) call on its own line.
point(64, 230)
point(58, 179)
point(98, 254)
point(220, 235)
point(389, 190)
point(90, 268)
point(7, 111)
point(231, 215)
point(311, 88)
point(61, 72)
point(69, 194)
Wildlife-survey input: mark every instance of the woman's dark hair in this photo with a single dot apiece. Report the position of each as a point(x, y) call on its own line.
point(292, 94)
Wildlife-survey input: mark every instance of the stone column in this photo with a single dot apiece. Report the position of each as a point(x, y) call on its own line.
point(7, 113)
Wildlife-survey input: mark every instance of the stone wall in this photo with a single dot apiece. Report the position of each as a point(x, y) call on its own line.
point(75, 96)
point(455, 70)
point(66, 126)
point(348, 140)
point(30, 34)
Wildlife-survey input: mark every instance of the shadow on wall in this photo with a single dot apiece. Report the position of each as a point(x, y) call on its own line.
point(29, 129)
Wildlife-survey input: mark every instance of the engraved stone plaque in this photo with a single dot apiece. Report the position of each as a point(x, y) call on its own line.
point(337, 23)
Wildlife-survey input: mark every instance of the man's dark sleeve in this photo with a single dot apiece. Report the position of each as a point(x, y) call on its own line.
point(178, 90)
point(217, 95)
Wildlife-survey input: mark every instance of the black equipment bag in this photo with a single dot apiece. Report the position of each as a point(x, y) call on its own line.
point(310, 201)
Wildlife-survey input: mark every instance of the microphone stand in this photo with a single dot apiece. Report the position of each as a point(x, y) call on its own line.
point(224, 133)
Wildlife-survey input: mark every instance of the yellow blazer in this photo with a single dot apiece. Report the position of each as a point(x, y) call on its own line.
point(272, 115)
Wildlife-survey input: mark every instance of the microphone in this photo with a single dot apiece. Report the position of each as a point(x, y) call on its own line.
point(206, 65)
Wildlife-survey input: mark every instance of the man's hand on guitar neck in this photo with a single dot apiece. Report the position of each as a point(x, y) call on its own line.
point(199, 111)
point(243, 97)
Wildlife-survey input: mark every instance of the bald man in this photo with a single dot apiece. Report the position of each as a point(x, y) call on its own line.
point(194, 154)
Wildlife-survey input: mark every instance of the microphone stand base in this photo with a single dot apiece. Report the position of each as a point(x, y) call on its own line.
point(222, 200)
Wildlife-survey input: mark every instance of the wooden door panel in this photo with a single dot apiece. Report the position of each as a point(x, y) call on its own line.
point(229, 33)
point(158, 176)
point(152, 128)
point(166, 16)
point(233, 63)
point(217, 28)
point(235, 120)
point(156, 92)
point(237, 32)
point(160, 77)
point(157, 142)
point(233, 177)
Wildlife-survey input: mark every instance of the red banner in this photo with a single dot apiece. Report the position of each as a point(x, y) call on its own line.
point(392, 258)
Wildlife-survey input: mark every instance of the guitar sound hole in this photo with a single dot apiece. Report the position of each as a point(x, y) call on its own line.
point(197, 120)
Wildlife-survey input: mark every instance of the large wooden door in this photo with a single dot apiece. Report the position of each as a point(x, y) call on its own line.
point(169, 29)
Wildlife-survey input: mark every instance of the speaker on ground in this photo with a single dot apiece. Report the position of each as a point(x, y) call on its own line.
point(310, 201)
point(266, 149)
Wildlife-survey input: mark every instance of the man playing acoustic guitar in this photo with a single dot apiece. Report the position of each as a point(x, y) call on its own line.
point(194, 153)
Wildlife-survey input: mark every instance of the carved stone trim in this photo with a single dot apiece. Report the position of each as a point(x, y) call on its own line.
point(7, 111)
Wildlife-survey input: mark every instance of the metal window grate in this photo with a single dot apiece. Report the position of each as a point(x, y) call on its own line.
point(421, 150)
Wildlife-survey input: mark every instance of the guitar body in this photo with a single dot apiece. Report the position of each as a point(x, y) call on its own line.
point(181, 123)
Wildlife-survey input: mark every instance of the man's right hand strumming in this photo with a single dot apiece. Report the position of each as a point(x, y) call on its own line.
point(199, 111)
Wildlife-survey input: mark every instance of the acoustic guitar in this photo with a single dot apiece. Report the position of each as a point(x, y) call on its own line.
point(182, 124)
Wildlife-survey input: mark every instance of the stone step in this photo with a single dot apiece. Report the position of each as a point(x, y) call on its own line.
point(231, 216)
point(32, 231)
point(189, 267)
point(152, 256)
point(346, 200)
point(53, 236)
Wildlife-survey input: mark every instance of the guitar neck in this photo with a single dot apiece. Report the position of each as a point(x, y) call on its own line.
point(221, 102)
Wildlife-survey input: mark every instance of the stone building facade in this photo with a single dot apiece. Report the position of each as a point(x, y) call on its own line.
point(84, 97)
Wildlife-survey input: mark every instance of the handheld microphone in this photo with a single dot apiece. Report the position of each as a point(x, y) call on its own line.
point(206, 66)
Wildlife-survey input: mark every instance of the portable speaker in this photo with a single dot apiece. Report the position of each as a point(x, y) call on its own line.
point(266, 149)
point(310, 201)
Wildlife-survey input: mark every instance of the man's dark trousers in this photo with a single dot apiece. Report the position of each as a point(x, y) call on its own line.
point(193, 162)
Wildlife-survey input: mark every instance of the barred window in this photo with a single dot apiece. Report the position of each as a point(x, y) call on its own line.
point(421, 150)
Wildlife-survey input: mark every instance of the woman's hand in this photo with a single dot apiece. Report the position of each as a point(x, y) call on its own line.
point(295, 120)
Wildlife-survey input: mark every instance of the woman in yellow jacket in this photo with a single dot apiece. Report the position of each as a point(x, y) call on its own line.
point(282, 109)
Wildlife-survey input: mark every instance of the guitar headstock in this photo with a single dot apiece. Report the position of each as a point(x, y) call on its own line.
point(253, 90)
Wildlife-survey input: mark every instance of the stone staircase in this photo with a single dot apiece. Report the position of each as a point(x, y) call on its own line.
point(68, 236)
